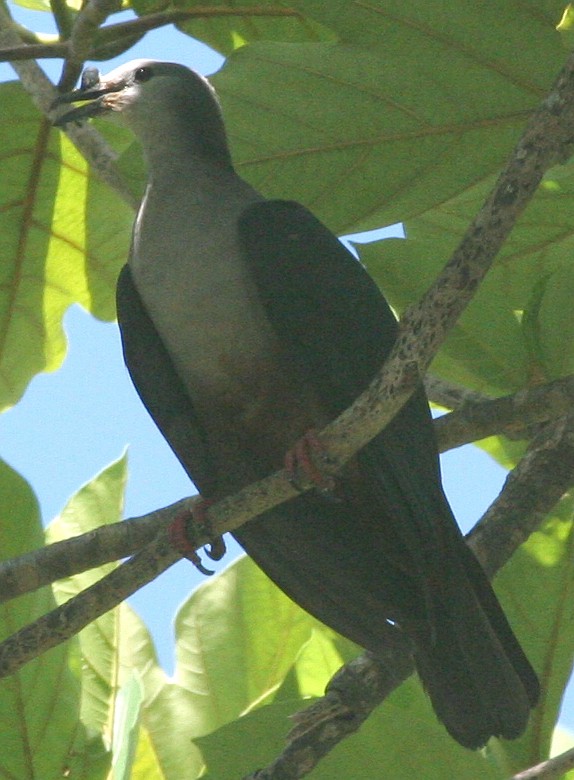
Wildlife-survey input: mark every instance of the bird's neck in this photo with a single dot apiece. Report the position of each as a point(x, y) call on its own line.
point(183, 147)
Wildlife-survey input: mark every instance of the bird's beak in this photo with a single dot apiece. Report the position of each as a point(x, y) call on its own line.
point(100, 94)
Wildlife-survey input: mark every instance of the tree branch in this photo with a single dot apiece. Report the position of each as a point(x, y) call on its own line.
point(513, 416)
point(39, 568)
point(450, 395)
point(87, 37)
point(84, 32)
point(537, 483)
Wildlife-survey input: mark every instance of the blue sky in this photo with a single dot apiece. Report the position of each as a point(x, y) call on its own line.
point(72, 423)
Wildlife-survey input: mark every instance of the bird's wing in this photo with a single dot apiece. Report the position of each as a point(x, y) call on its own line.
point(333, 321)
point(159, 385)
point(395, 549)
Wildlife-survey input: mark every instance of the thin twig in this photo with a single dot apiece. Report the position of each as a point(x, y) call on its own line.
point(84, 32)
point(34, 51)
point(537, 483)
point(143, 24)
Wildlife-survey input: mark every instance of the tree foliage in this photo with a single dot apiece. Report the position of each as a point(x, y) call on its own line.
point(369, 113)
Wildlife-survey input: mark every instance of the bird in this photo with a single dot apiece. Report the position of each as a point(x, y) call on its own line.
point(246, 325)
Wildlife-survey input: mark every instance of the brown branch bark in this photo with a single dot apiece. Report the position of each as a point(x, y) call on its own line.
point(517, 416)
point(512, 416)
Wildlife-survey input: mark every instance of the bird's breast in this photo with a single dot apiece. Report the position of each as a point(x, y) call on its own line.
point(196, 286)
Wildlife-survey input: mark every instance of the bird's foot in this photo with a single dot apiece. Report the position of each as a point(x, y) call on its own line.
point(182, 540)
point(304, 460)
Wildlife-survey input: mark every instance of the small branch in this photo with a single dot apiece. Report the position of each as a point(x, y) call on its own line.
point(63, 17)
point(39, 568)
point(84, 32)
point(539, 481)
point(513, 415)
point(352, 694)
point(143, 24)
point(34, 51)
point(553, 769)
point(450, 395)
point(67, 620)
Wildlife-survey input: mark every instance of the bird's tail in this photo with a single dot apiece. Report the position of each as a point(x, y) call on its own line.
point(479, 680)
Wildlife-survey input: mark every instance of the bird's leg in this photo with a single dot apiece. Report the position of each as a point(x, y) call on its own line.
point(303, 459)
point(181, 541)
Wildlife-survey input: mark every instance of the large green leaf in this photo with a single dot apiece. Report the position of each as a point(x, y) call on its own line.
point(63, 237)
point(237, 637)
point(536, 588)
point(519, 327)
point(41, 734)
point(119, 659)
point(366, 133)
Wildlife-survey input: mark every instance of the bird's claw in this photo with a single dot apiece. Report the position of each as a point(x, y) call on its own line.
point(302, 460)
point(180, 537)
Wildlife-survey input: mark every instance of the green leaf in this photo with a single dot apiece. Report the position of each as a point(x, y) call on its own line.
point(126, 727)
point(237, 637)
point(536, 588)
point(519, 327)
point(485, 349)
point(41, 734)
point(117, 649)
point(368, 135)
point(63, 237)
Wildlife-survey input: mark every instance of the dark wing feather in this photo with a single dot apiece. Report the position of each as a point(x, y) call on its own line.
point(334, 323)
point(158, 385)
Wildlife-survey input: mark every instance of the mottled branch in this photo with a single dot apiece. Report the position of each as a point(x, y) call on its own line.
point(517, 416)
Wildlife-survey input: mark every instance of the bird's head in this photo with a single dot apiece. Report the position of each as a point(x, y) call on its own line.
point(157, 100)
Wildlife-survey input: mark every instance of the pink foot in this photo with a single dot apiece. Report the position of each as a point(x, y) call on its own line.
point(302, 460)
point(180, 539)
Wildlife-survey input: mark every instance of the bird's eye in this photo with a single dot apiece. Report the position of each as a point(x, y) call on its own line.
point(143, 74)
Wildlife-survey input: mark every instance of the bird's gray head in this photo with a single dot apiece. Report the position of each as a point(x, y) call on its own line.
point(162, 102)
